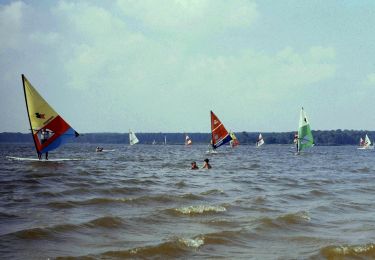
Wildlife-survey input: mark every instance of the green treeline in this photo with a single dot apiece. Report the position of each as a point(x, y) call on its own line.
point(331, 137)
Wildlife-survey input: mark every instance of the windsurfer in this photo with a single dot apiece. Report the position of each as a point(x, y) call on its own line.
point(206, 164)
point(43, 138)
point(296, 141)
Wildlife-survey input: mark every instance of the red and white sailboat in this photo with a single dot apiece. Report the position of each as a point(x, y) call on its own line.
point(219, 135)
point(365, 143)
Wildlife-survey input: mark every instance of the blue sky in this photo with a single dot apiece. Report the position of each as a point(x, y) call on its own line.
point(161, 66)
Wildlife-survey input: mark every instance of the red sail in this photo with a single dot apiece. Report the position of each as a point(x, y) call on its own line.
point(220, 135)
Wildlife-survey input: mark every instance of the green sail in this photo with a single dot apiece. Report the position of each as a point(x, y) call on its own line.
point(305, 137)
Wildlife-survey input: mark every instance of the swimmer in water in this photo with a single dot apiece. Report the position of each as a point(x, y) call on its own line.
point(206, 164)
point(194, 166)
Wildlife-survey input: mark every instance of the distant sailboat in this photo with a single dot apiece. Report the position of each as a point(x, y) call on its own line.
point(48, 128)
point(305, 137)
point(132, 138)
point(260, 141)
point(234, 142)
point(188, 140)
point(219, 135)
point(153, 142)
point(365, 144)
point(165, 140)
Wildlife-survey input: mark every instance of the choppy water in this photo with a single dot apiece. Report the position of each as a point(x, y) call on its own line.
point(144, 202)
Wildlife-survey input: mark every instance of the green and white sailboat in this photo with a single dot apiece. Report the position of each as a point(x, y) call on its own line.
point(305, 137)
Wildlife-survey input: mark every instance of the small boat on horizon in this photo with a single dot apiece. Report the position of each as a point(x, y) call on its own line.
point(132, 138)
point(260, 141)
point(365, 144)
point(305, 138)
point(188, 140)
point(234, 142)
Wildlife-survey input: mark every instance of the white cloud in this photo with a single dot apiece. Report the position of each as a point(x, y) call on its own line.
point(144, 78)
point(191, 17)
point(10, 24)
point(260, 73)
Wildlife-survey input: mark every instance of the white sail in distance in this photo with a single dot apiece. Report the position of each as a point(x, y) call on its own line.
point(260, 140)
point(133, 138)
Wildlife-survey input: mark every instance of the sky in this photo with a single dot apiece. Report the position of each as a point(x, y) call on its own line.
point(162, 65)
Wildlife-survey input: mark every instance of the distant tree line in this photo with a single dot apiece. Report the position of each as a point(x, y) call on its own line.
point(330, 137)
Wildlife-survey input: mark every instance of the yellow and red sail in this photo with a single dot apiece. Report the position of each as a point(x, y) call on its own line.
point(43, 117)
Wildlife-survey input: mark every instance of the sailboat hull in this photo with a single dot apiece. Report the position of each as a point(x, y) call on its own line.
point(366, 148)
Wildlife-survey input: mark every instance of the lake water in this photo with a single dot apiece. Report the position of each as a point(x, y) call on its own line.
point(144, 202)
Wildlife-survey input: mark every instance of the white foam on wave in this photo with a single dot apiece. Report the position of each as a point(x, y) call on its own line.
point(344, 250)
point(192, 242)
point(199, 209)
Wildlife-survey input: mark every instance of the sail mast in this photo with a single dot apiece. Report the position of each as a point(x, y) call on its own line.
point(28, 113)
point(212, 133)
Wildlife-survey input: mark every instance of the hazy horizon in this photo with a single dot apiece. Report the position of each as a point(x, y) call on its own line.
point(161, 66)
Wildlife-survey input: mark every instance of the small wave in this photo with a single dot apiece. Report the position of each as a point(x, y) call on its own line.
point(197, 210)
point(48, 232)
point(43, 233)
point(33, 233)
point(177, 247)
point(222, 223)
point(30, 181)
point(191, 196)
point(42, 175)
point(213, 192)
point(364, 170)
point(76, 191)
point(90, 202)
point(138, 181)
point(4, 215)
point(357, 251)
point(136, 200)
point(285, 221)
point(106, 222)
point(318, 193)
point(60, 204)
point(223, 238)
point(260, 200)
point(123, 190)
point(180, 184)
point(295, 218)
point(49, 194)
point(254, 166)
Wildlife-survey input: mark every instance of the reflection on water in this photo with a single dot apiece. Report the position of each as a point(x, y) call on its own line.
point(145, 202)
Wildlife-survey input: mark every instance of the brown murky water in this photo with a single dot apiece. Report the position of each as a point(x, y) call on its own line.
point(144, 202)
